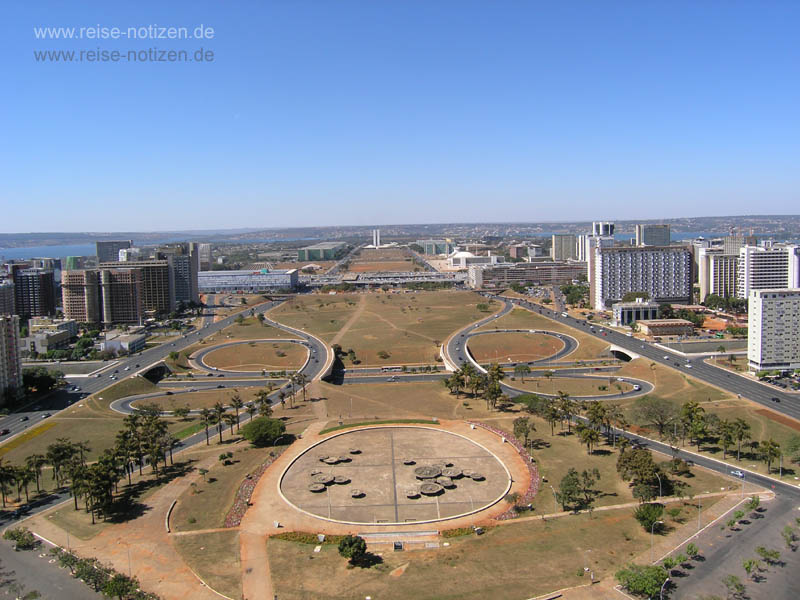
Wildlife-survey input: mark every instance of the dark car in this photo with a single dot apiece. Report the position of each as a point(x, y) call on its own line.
point(220, 386)
point(168, 393)
point(5, 431)
point(25, 418)
point(775, 399)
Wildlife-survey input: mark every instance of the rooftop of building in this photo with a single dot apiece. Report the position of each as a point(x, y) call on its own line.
point(247, 272)
point(651, 322)
point(324, 246)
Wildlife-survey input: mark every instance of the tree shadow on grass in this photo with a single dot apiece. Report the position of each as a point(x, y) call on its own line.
point(367, 560)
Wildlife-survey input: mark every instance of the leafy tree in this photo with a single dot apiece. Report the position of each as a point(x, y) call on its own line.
point(767, 555)
point(590, 437)
point(648, 514)
point(692, 550)
point(263, 431)
point(642, 580)
point(569, 490)
point(769, 451)
point(523, 428)
point(353, 547)
point(658, 412)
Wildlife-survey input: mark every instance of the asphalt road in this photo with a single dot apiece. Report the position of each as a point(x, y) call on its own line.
point(36, 572)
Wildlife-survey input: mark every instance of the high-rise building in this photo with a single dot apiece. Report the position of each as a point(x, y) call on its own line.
point(732, 243)
point(435, 247)
point(7, 297)
point(80, 295)
point(652, 235)
point(602, 229)
point(664, 273)
point(34, 293)
point(157, 282)
point(587, 243)
point(564, 246)
point(108, 251)
point(184, 276)
point(121, 295)
point(10, 363)
point(204, 257)
point(129, 254)
point(767, 267)
point(773, 332)
point(717, 272)
point(376, 237)
point(73, 263)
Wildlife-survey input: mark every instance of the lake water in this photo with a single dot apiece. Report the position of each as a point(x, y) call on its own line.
point(47, 251)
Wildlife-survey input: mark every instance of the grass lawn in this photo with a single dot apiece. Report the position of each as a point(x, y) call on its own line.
point(679, 387)
point(215, 558)
point(397, 400)
point(409, 327)
point(201, 398)
point(208, 502)
point(556, 454)
point(512, 561)
point(513, 347)
point(322, 315)
point(258, 357)
point(574, 386)
point(519, 318)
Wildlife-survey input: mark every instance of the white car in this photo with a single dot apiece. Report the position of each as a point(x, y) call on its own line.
point(738, 474)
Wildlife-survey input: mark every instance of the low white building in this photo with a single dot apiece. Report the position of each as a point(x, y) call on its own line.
point(773, 334)
point(464, 260)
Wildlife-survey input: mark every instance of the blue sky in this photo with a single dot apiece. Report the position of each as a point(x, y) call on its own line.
point(334, 112)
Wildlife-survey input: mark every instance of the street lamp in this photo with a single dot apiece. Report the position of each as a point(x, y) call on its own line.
point(555, 499)
point(659, 485)
point(652, 528)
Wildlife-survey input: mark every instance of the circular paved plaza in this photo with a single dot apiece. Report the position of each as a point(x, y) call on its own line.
point(394, 475)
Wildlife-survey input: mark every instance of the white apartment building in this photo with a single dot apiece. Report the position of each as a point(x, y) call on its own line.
point(664, 273)
point(767, 267)
point(10, 363)
point(587, 243)
point(773, 334)
point(717, 272)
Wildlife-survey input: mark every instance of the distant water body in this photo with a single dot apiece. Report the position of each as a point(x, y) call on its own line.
point(47, 251)
point(89, 249)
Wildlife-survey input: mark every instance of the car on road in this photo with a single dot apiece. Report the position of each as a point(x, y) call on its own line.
point(220, 386)
point(127, 368)
point(45, 415)
point(636, 388)
point(688, 366)
point(168, 393)
point(775, 399)
point(666, 358)
point(737, 473)
point(25, 418)
point(5, 431)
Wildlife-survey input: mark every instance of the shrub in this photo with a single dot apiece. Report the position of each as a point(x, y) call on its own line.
point(263, 431)
point(22, 537)
point(353, 547)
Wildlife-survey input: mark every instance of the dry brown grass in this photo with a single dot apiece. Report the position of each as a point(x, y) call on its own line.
point(574, 386)
point(516, 347)
point(257, 357)
point(589, 346)
point(215, 558)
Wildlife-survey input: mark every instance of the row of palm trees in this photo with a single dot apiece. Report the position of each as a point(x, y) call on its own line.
point(481, 385)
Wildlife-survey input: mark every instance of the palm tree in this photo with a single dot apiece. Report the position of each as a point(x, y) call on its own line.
point(6, 476)
point(495, 372)
point(727, 436)
point(219, 410)
point(35, 462)
point(251, 409)
point(741, 432)
point(230, 420)
point(302, 380)
point(590, 437)
point(770, 451)
point(552, 415)
point(521, 370)
point(567, 407)
point(236, 403)
point(205, 416)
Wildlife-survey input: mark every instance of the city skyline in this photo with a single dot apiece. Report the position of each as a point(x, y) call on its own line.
point(365, 114)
